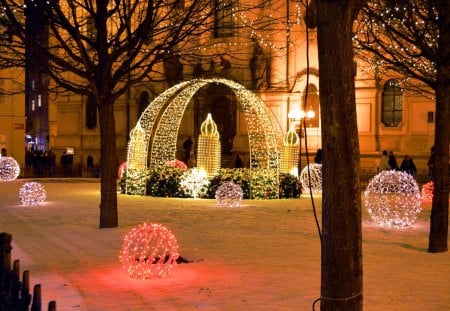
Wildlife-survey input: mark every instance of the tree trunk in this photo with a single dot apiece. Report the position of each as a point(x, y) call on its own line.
point(439, 210)
point(108, 165)
point(341, 281)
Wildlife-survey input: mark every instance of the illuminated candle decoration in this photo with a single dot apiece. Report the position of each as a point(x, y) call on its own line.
point(427, 192)
point(289, 153)
point(392, 199)
point(208, 151)
point(229, 195)
point(122, 170)
point(311, 178)
point(149, 250)
point(32, 194)
point(177, 164)
point(9, 169)
point(194, 182)
point(160, 122)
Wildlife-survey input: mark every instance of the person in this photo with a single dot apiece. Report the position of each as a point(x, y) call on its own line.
point(238, 162)
point(318, 157)
point(393, 161)
point(187, 145)
point(191, 161)
point(384, 162)
point(430, 162)
point(408, 166)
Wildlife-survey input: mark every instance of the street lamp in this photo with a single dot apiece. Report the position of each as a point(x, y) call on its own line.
point(296, 118)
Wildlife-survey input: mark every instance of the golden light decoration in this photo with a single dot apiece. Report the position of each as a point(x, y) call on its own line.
point(392, 199)
point(208, 150)
point(194, 182)
point(149, 250)
point(32, 194)
point(9, 169)
point(427, 192)
point(161, 121)
point(311, 177)
point(229, 194)
point(289, 153)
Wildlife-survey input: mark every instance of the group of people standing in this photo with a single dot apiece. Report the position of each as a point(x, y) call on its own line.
point(388, 161)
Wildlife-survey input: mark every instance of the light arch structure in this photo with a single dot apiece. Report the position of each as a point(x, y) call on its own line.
point(153, 140)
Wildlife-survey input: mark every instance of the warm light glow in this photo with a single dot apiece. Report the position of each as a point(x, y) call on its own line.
point(311, 177)
point(229, 195)
point(392, 199)
point(9, 169)
point(149, 250)
point(194, 182)
point(161, 122)
point(208, 150)
point(32, 194)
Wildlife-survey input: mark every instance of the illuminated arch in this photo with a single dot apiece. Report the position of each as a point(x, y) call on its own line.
point(160, 123)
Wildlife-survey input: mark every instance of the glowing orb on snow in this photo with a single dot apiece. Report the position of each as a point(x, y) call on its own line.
point(427, 192)
point(9, 169)
point(392, 199)
point(315, 182)
point(229, 195)
point(32, 194)
point(194, 182)
point(149, 250)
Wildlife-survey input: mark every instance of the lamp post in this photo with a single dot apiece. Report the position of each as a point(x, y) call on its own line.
point(296, 117)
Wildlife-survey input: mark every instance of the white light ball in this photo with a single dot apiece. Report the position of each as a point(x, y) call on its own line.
point(9, 169)
point(392, 199)
point(229, 195)
point(32, 194)
point(315, 182)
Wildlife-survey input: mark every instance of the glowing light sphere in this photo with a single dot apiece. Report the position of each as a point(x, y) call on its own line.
point(229, 195)
point(9, 169)
point(392, 199)
point(32, 194)
point(149, 250)
point(194, 182)
point(315, 182)
point(427, 192)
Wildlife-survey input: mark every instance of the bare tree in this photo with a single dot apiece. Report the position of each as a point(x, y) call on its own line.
point(341, 238)
point(410, 40)
point(101, 48)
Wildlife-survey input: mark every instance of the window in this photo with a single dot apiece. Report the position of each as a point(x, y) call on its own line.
point(223, 18)
point(91, 113)
point(392, 106)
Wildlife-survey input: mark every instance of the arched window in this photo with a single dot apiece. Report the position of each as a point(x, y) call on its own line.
point(91, 113)
point(392, 105)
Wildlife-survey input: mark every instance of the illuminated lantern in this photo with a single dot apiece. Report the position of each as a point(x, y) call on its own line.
point(312, 178)
point(208, 151)
point(392, 199)
point(229, 195)
point(427, 192)
point(289, 153)
point(9, 169)
point(32, 193)
point(149, 250)
point(194, 182)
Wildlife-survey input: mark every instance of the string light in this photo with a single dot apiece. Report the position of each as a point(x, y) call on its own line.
point(32, 194)
point(229, 195)
point(149, 250)
point(161, 121)
point(312, 172)
point(392, 199)
point(194, 182)
point(9, 169)
point(208, 151)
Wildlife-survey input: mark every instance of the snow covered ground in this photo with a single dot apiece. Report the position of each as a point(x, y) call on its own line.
point(264, 255)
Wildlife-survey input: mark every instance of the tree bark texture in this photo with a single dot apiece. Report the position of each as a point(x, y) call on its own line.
point(439, 210)
point(108, 166)
point(341, 280)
